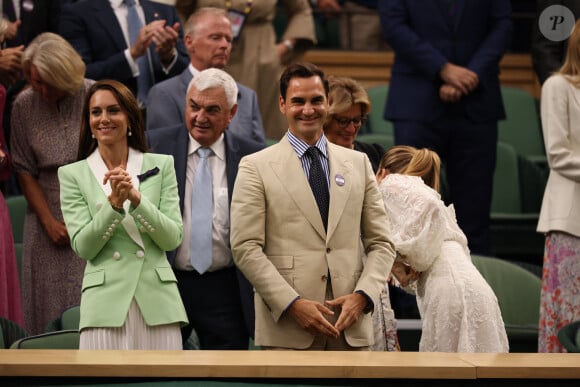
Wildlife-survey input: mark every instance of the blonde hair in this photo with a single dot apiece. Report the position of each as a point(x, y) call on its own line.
point(408, 160)
point(58, 63)
point(571, 67)
point(343, 93)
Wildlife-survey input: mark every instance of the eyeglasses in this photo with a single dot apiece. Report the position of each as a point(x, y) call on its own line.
point(345, 122)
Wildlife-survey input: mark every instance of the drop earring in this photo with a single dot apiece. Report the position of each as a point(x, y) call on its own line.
point(92, 135)
point(129, 133)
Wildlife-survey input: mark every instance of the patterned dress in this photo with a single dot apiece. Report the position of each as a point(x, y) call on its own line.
point(560, 298)
point(44, 137)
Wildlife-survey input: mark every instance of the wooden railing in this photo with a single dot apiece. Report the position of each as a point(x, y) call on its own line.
point(372, 68)
point(298, 367)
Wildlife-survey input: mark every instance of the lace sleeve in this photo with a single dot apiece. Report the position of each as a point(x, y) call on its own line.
point(416, 216)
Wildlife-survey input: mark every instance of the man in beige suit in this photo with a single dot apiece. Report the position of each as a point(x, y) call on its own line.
point(300, 250)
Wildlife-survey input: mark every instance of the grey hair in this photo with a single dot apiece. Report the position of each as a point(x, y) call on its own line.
point(191, 23)
point(214, 78)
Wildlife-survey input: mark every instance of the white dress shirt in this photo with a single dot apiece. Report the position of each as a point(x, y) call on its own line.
point(222, 255)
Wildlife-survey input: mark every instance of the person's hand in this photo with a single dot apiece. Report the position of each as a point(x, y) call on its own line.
point(449, 93)
point(460, 77)
point(12, 29)
point(165, 39)
point(381, 174)
point(121, 185)
point(328, 5)
point(404, 273)
point(145, 37)
point(10, 65)
point(56, 231)
point(309, 315)
point(283, 49)
point(352, 306)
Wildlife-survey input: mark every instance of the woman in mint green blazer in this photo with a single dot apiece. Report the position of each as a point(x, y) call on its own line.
point(121, 210)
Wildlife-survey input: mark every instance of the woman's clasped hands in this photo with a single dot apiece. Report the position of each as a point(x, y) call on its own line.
point(121, 188)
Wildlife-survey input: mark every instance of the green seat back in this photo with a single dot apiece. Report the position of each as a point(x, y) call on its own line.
point(569, 336)
point(506, 181)
point(522, 127)
point(68, 339)
point(70, 318)
point(376, 122)
point(9, 332)
point(517, 290)
point(17, 209)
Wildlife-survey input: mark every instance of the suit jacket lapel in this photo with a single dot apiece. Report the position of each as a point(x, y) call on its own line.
point(149, 11)
point(232, 161)
point(106, 17)
point(443, 9)
point(291, 176)
point(459, 8)
point(340, 173)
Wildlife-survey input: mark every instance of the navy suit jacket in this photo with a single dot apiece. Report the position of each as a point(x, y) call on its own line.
point(424, 38)
point(174, 141)
point(92, 28)
point(166, 107)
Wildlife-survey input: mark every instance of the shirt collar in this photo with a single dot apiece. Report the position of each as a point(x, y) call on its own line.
point(118, 3)
point(218, 148)
point(300, 146)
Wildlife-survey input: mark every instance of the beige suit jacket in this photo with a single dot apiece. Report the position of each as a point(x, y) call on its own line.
point(279, 242)
point(560, 110)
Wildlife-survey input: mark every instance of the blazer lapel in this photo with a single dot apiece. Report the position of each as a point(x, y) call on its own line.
point(459, 8)
point(106, 17)
point(443, 9)
point(340, 186)
point(134, 163)
point(291, 176)
point(232, 161)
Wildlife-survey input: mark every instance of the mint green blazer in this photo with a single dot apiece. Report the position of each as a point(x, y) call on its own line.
point(125, 256)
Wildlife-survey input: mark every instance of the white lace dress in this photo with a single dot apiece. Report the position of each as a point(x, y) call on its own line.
point(459, 310)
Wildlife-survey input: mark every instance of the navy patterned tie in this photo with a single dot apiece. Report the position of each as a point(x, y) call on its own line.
point(318, 184)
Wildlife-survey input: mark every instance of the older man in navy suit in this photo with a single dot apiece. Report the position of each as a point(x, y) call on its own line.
point(208, 39)
point(445, 93)
point(219, 301)
point(99, 30)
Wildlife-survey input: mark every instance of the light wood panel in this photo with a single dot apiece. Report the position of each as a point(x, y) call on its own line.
point(373, 68)
point(234, 364)
point(287, 364)
point(525, 365)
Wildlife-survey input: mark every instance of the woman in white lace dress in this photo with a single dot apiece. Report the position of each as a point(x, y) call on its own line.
point(459, 310)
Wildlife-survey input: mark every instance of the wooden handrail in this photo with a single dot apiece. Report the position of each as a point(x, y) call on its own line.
point(287, 364)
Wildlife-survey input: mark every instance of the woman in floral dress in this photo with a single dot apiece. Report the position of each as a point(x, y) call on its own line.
point(45, 125)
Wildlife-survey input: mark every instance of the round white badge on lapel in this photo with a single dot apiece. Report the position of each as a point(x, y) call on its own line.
point(339, 180)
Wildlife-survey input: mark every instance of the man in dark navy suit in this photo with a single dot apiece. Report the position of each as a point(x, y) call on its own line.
point(99, 31)
point(445, 93)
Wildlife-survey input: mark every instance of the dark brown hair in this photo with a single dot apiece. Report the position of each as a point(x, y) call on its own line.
point(301, 70)
point(129, 105)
